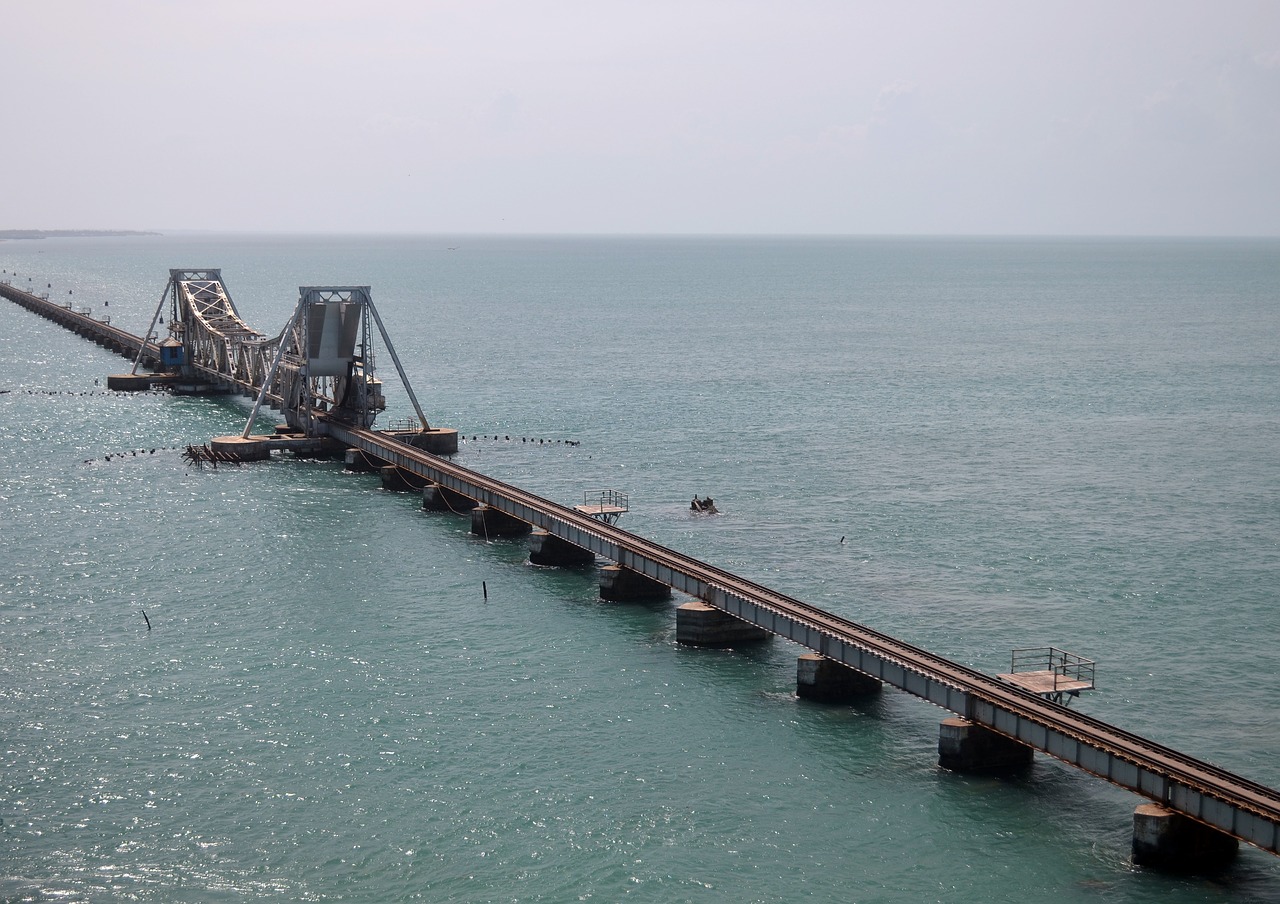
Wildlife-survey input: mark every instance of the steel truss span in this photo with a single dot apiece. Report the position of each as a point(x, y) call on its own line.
point(321, 362)
point(218, 346)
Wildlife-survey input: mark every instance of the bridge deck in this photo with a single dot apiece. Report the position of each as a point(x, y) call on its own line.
point(600, 510)
point(1046, 682)
point(1242, 808)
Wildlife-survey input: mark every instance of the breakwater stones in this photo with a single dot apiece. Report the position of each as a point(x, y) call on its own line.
point(86, 393)
point(132, 454)
point(526, 440)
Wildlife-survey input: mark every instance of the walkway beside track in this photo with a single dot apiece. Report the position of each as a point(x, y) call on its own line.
point(1244, 809)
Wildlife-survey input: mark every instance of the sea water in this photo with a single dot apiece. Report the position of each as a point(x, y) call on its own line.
point(972, 444)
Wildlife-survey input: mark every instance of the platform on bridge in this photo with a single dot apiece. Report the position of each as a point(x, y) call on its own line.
point(600, 510)
point(604, 505)
point(1050, 672)
point(1047, 682)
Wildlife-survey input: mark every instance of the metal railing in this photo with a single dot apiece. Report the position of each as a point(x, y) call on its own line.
point(1064, 666)
point(404, 425)
point(610, 499)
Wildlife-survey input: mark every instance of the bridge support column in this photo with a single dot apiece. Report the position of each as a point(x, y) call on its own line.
point(437, 440)
point(622, 585)
point(237, 448)
point(359, 461)
point(442, 499)
point(129, 382)
point(702, 625)
point(304, 447)
point(397, 480)
point(545, 548)
point(1167, 840)
point(824, 680)
point(489, 522)
point(966, 747)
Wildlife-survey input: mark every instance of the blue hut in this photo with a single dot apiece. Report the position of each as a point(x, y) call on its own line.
point(172, 353)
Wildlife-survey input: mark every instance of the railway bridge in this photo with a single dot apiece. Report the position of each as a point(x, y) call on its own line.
point(319, 372)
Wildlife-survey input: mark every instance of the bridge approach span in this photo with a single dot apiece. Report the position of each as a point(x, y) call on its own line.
point(1216, 797)
point(83, 322)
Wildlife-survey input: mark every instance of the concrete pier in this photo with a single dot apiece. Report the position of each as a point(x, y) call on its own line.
point(259, 446)
point(238, 448)
point(129, 382)
point(397, 480)
point(545, 548)
point(1170, 841)
point(622, 585)
point(824, 680)
point(966, 747)
point(701, 625)
point(489, 522)
point(361, 462)
point(442, 499)
point(436, 440)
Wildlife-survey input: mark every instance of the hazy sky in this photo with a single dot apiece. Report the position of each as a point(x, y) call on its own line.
point(988, 117)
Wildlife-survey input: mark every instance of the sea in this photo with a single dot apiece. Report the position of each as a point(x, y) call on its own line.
point(281, 682)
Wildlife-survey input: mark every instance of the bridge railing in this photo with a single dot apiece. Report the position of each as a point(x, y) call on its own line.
point(607, 499)
point(1064, 666)
point(404, 425)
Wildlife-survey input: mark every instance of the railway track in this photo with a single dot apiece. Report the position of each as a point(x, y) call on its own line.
point(1176, 772)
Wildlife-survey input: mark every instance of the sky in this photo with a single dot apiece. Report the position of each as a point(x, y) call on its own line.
point(990, 117)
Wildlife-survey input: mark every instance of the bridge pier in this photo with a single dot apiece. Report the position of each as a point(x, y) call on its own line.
point(545, 548)
point(700, 624)
point(187, 386)
point(824, 680)
point(489, 522)
point(358, 461)
point(129, 382)
point(622, 585)
point(398, 480)
point(442, 499)
point(436, 440)
point(1167, 840)
point(255, 448)
point(964, 746)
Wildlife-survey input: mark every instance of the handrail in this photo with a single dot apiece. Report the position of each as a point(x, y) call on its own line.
point(1062, 664)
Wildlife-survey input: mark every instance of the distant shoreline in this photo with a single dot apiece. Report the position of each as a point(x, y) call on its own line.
point(7, 234)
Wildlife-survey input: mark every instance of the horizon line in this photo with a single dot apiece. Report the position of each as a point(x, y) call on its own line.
point(60, 232)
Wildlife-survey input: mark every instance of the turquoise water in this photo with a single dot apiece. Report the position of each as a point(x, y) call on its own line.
point(1068, 442)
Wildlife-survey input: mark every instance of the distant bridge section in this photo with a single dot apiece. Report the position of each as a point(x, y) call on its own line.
point(82, 322)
